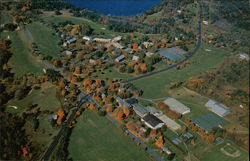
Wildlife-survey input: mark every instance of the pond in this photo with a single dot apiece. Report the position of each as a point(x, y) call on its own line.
point(116, 7)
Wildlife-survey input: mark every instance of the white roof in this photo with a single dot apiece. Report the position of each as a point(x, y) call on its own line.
point(169, 122)
point(177, 106)
point(135, 58)
point(217, 108)
point(120, 57)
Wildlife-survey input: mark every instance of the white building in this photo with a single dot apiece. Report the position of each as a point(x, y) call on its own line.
point(135, 58)
point(177, 106)
point(149, 54)
point(171, 124)
point(88, 38)
point(118, 38)
point(120, 58)
point(217, 108)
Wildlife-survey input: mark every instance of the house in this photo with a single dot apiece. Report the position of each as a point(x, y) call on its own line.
point(177, 106)
point(149, 54)
point(118, 38)
point(166, 150)
point(135, 58)
point(217, 108)
point(132, 101)
point(152, 121)
point(205, 22)
point(122, 102)
point(140, 110)
point(117, 45)
point(171, 124)
point(243, 56)
point(129, 50)
point(92, 61)
point(87, 38)
point(69, 41)
point(147, 44)
point(68, 52)
point(102, 40)
point(120, 58)
point(153, 111)
point(172, 53)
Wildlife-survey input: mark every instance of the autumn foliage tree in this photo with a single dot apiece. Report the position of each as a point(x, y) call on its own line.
point(165, 108)
point(60, 116)
point(160, 141)
point(120, 116)
point(87, 82)
point(143, 67)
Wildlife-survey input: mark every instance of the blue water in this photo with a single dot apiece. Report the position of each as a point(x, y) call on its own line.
point(116, 7)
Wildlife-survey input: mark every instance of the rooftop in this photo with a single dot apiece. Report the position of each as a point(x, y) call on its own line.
point(177, 106)
point(208, 121)
point(217, 108)
point(169, 122)
point(140, 110)
point(152, 120)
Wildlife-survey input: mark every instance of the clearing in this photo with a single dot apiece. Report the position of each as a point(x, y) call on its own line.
point(96, 138)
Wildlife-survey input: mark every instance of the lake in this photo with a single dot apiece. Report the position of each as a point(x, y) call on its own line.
point(116, 7)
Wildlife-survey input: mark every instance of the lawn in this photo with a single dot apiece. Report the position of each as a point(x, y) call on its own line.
point(43, 36)
point(22, 61)
point(5, 18)
point(99, 29)
point(156, 86)
point(47, 99)
point(96, 138)
point(215, 153)
point(48, 93)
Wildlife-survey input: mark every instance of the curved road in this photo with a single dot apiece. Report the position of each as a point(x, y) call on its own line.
point(87, 97)
point(191, 54)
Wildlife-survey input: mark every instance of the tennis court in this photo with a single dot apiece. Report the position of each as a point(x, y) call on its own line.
point(208, 121)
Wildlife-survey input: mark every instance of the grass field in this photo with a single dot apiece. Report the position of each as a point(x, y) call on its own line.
point(22, 61)
point(43, 36)
point(156, 86)
point(215, 153)
point(47, 99)
point(96, 139)
point(47, 93)
point(5, 18)
point(99, 29)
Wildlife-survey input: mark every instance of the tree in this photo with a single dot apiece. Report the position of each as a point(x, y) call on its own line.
point(122, 69)
point(143, 67)
point(57, 12)
point(171, 156)
point(130, 69)
point(35, 124)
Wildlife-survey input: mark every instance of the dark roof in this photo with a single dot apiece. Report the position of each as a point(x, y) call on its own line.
point(152, 120)
point(132, 101)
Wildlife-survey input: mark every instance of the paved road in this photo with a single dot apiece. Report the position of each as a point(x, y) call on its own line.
point(47, 154)
point(191, 54)
point(87, 98)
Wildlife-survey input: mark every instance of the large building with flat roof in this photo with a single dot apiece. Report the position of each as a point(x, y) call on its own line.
point(152, 121)
point(171, 124)
point(217, 108)
point(177, 106)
